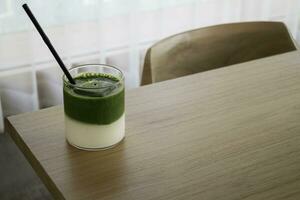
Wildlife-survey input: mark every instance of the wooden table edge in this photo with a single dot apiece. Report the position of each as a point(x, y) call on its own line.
point(38, 168)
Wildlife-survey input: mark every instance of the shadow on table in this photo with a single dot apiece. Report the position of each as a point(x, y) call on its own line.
point(95, 173)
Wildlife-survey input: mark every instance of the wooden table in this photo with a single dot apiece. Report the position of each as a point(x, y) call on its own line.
point(230, 133)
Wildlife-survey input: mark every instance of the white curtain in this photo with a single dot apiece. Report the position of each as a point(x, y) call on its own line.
point(116, 32)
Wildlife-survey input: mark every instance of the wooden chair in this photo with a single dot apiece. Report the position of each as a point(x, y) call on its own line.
point(214, 47)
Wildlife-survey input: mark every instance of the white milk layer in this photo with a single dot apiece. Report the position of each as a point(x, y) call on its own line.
point(92, 136)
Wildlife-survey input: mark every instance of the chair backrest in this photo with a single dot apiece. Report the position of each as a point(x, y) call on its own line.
point(214, 47)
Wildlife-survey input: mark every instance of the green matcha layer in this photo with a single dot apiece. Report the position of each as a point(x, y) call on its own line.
point(96, 98)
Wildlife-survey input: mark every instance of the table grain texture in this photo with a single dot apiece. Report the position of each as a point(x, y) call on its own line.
point(226, 134)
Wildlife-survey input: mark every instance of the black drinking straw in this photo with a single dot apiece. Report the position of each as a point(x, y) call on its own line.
point(48, 43)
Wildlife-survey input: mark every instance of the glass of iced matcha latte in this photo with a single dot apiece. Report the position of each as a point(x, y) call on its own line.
point(94, 107)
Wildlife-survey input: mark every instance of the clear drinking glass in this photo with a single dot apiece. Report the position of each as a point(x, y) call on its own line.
point(94, 107)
